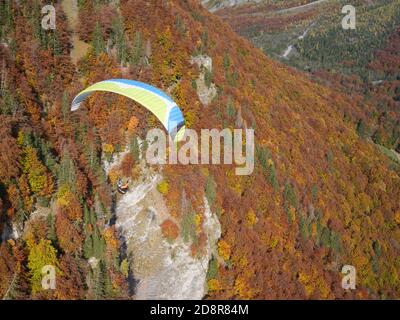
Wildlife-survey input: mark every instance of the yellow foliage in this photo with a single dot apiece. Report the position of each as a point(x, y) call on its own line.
point(114, 174)
point(224, 249)
point(204, 171)
point(39, 181)
point(125, 268)
point(152, 121)
point(108, 148)
point(323, 288)
point(197, 221)
point(163, 187)
point(273, 243)
point(292, 214)
point(242, 289)
point(251, 218)
point(234, 182)
point(40, 255)
point(214, 285)
point(64, 195)
point(364, 202)
point(189, 119)
point(313, 281)
point(305, 281)
point(397, 217)
point(243, 262)
point(360, 261)
point(21, 138)
point(111, 240)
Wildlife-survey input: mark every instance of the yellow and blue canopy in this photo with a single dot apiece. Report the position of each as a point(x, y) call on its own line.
point(153, 99)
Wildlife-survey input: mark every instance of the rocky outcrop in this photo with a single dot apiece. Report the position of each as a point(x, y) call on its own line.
point(161, 268)
point(206, 91)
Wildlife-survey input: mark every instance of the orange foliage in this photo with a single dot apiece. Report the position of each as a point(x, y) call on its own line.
point(68, 233)
point(111, 239)
point(169, 229)
point(132, 124)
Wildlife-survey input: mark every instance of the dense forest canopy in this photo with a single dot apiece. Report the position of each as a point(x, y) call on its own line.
point(361, 61)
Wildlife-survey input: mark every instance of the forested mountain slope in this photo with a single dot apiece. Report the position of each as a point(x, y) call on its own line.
point(320, 197)
point(310, 37)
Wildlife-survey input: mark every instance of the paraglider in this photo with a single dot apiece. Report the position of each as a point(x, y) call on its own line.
point(153, 99)
point(122, 188)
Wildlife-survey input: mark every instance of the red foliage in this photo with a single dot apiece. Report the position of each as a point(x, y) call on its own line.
point(169, 229)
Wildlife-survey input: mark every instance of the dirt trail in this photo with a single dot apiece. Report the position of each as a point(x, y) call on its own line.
point(291, 46)
point(80, 47)
point(302, 7)
point(296, 9)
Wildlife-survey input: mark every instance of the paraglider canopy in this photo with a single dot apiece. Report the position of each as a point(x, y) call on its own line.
point(153, 99)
